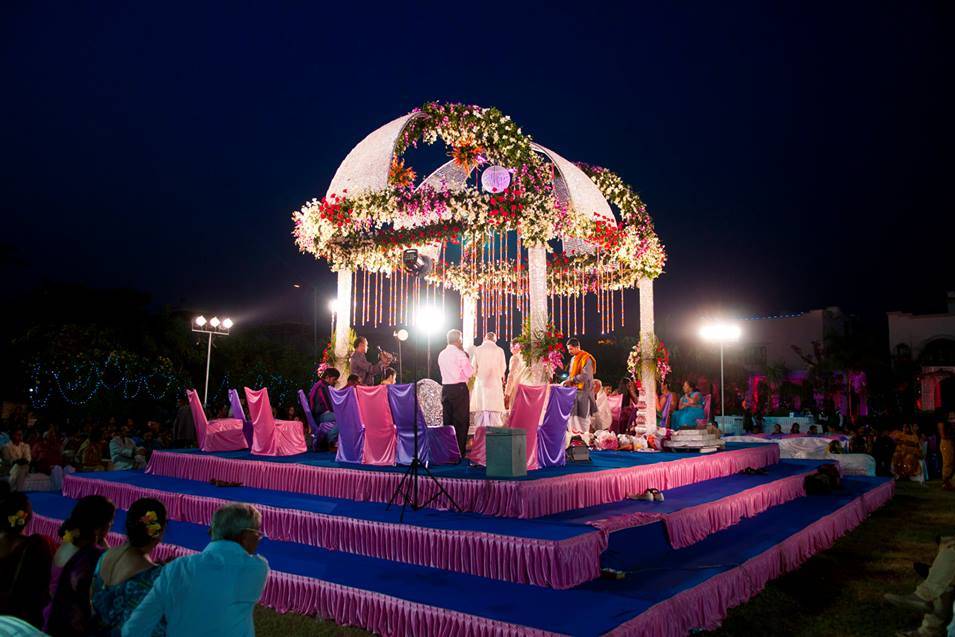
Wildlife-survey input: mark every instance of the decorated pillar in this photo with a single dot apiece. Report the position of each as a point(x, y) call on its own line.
point(537, 293)
point(648, 353)
point(343, 317)
point(470, 320)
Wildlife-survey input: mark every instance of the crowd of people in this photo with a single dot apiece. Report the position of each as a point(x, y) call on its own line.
point(82, 587)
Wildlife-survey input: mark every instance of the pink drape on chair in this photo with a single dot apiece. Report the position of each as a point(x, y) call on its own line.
point(527, 414)
point(380, 433)
point(616, 404)
point(221, 434)
point(271, 437)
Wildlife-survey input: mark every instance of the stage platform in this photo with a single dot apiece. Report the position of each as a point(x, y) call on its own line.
point(558, 551)
point(610, 477)
point(666, 591)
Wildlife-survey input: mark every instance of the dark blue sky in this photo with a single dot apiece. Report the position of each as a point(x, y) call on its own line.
point(792, 156)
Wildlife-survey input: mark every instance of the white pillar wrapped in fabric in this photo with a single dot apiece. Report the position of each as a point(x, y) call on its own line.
point(469, 311)
point(647, 340)
point(343, 316)
point(537, 291)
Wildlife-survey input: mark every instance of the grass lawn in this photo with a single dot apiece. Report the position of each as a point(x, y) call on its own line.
point(837, 593)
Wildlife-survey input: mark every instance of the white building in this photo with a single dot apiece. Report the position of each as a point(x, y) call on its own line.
point(770, 340)
point(928, 340)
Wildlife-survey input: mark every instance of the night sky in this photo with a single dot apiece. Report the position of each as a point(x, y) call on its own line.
point(793, 157)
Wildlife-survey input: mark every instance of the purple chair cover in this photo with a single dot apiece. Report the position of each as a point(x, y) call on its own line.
point(707, 406)
point(309, 418)
point(665, 414)
point(236, 412)
point(552, 434)
point(351, 434)
point(402, 403)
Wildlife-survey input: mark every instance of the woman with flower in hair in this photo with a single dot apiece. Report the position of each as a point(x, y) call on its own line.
point(84, 540)
point(24, 561)
point(125, 574)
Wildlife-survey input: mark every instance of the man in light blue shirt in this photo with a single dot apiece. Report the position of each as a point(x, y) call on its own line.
point(211, 593)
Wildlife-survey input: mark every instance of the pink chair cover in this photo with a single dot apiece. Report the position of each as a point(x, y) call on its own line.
point(616, 403)
point(221, 434)
point(527, 414)
point(271, 437)
point(478, 452)
point(381, 438)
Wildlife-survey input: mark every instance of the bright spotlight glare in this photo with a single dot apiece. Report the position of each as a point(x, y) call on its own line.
point(333, 306)
point(720, 332)
point(227, 324)
point(402, 334)
point(430, 319)
point(214, 321)
point(200, 321)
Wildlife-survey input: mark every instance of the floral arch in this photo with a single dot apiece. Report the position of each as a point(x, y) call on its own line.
point(518, 231)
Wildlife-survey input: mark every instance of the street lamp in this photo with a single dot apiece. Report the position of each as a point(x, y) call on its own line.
point(212, 327)
point(721, 332)
point(429, 319)
point(299, 286)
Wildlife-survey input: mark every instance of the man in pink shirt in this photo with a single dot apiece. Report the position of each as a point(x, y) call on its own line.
point(456, 370)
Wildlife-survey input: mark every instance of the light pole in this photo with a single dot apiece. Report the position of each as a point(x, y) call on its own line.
point(401, 336)
point(721, 332)
point(299, 286)
point(430, 318)
point(212, 327)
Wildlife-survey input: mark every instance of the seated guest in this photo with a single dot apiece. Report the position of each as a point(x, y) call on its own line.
point(795, 428)
point(933, 596)
point(125, 574)
point(835, 447)
point(813, 430)
point(777, 429)
point(212, 592)
point(691, 407)
point(91, 453)
point(388, 376)
point(84, 540)
point(353, 380)
point(292, 414)
point(25, 561)
point(630, 391)
point(16, 453)
point(603, 418)
point(123, 451)
point(47, 451)
point(320, 402)
point(664, 394)
point(183, 427)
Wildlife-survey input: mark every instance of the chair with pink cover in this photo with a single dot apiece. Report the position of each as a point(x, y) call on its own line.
point(221, 434)
point(381, 438)
point(271, 437)
point(616, 404)
point(526, 413)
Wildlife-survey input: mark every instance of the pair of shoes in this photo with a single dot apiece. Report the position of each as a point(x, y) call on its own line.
point(650, 495)
point(921, 569)
point(911, 600)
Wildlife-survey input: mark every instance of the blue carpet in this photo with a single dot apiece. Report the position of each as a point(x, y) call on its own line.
point(591, 609)
point(600, 461)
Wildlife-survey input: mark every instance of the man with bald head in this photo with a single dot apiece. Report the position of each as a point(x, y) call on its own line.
point(456, 370)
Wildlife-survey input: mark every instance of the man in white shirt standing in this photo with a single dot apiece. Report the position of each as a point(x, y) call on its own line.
point(456, 370)
point(211, 593)
point(487, 395)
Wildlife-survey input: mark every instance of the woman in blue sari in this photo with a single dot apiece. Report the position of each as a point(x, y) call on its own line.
point(691, 407)
point(125, 574)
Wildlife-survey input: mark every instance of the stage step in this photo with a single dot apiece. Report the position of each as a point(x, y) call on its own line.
point(669, 592)
point(559, 551)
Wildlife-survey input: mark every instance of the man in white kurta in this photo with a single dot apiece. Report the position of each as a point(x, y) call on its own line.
point(487, 395)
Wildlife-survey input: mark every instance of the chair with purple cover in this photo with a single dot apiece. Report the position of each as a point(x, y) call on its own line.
point(552, 433)
point(442, 440)
point(236, 411)
point(309, 419)
point(665, 414)
point(270, 436)
point(221, 434)
point(351, 433)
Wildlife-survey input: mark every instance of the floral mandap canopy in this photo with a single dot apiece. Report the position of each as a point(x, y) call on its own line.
point(499, 198)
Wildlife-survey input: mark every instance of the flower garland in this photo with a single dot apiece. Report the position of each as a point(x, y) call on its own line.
point(548, 349)
point(661, 358)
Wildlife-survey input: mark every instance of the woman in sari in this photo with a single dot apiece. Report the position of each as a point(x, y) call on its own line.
point(125, 574)
point(691, 407)
point(24, 561)
point(908, 453)
point(84, 540)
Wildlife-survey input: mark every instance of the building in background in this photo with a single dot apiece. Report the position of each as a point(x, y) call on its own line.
point(927, 343)
point(770, 341)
